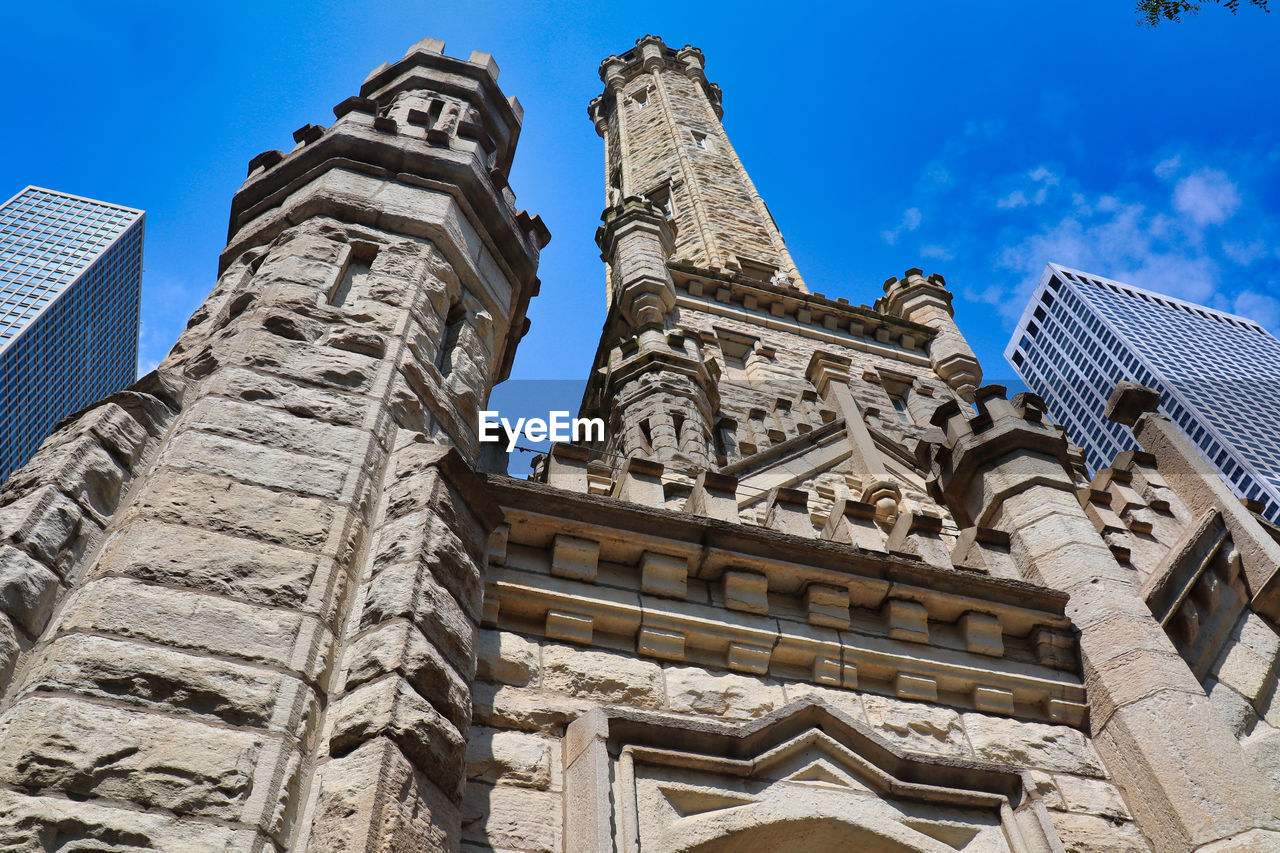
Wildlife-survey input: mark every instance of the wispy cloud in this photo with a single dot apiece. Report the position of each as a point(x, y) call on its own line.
point(1260, 307)
point(1206, 197)
point(911, 218)
point(941, 253)
point(1168, 167)
point(1158, 226)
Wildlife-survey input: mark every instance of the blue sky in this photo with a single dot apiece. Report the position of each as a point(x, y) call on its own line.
point(978, 139)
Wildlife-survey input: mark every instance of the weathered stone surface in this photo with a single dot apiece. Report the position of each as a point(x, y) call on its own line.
point(846, 701)
point(34, 824)
point(304, 401)
point(1091, 796)
point(692, 690)
point(1026, 744)
point(258, 464)
point(1171, 734)
point(187, 767)
point(27, 589)
point(248, 569)
point(506, 657)
point(512, 758)
point(166, 680)
point(78, 465)
point(43, 521)
point(423, 536)
point(917, 727)
point(399, 647)
point(506, 817)
point(1082, 833)
point(263, 425)
point(196, 622)
point(506, 707)
point(10, 647)
point(610, 678)
point(410, 591)
point(215, 503)
point(391, 708)
point(374, 800)
point(1247, 672)
point(1253, 841)
point(1263, 749)
point(1237, 711)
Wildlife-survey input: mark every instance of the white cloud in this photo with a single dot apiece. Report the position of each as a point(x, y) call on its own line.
point(1206, 197)
point(1168, 167)
point(1041, 175)
point(935, 177)
point(1245, 254)
point(911, 219)
point(1121, 240)
point(1015, 199)
point(1042, 179)
point(1263, 309)
point(939, 252)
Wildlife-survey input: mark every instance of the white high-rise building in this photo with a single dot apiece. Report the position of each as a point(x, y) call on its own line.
point(1219, 373)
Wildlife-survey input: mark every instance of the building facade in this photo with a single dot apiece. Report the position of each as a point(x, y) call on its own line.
point(1081, 334)
point(818, 589)
point(70, 277)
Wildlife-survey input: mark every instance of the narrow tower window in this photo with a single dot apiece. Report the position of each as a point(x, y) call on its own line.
point(452, 329)
point(641, 98)
point(359, 261)
point(700, 140)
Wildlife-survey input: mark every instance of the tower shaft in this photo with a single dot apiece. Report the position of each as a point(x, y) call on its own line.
point(660, 120)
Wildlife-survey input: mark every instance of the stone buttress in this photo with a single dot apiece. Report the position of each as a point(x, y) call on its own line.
point(240, 597)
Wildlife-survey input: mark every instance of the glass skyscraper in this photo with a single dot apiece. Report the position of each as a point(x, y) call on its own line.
point(70, 277)
point(1219, 374)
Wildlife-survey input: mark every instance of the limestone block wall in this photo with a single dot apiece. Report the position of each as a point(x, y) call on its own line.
point(528, 690)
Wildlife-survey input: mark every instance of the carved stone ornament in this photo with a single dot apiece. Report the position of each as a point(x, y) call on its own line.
point(804, 779)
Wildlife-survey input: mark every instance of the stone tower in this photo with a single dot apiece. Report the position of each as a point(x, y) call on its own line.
point(240, 597)
point(816, 590)
point(819, 590)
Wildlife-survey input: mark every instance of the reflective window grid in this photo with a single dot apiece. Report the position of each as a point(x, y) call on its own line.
point(1219, 374)
point(70, 276)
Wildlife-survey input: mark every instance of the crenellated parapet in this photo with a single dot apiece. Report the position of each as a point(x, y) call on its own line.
point(976, 443)
point(928, 302)
point(649, 55)
point(432, 137)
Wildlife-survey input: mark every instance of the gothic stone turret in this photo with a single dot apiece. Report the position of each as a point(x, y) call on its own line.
point(250, 583)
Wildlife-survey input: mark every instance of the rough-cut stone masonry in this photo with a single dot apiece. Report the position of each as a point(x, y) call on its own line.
point(817, 590)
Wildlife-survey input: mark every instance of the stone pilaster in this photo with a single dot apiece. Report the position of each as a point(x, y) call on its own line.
point(1153, 725)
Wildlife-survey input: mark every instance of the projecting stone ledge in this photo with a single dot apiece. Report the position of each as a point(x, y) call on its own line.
point(1130, 401)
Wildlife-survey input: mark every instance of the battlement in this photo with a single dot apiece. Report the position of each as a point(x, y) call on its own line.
point(651, 53)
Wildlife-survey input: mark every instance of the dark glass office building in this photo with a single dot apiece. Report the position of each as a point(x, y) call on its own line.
point(70, 276)
point(1219, 373)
